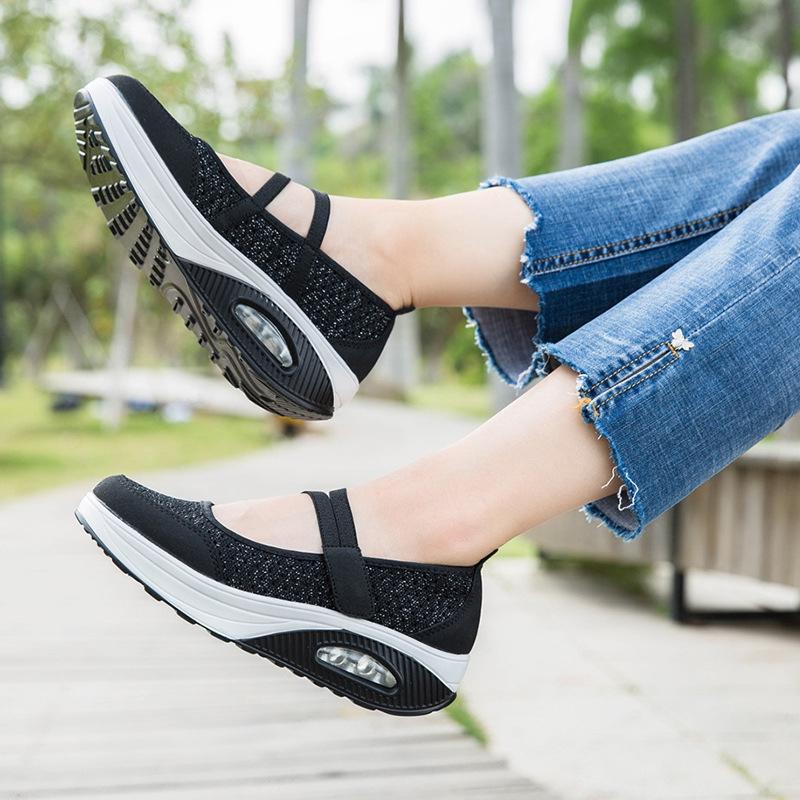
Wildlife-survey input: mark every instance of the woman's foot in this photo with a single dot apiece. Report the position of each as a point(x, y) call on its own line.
point(362, 235)
point(387, 527)
point(293, 302)
point(281, 318)
point(389, 635)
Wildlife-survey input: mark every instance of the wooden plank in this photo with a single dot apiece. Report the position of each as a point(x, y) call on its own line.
point(751, 551)
point(143, 768)
point(442, 786)
point(695, 516)
point(727, 520)
point(572, 534)
point(783, 561)
point(745, 520)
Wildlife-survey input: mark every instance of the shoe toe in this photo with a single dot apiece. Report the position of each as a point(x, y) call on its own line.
point(165, 521)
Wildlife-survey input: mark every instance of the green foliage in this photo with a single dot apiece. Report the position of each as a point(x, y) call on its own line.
point(463, 358)
point(51, 233)
point(446, 120)
point(728, 50)
point(630, 93)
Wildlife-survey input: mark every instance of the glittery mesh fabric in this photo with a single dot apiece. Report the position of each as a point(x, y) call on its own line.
point(338, 306)
point(265, 246)
point(408, 600)
point(213, 191)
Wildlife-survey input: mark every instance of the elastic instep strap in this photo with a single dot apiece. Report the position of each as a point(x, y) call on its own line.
point(316, 233)
point(344, 518)
point(346, 567)
point(229, 217)
point(271, 189)
point(319, 222)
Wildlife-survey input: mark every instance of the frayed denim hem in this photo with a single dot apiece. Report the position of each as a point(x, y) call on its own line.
point(483, 345)
point(494, 361)
point(622, 513)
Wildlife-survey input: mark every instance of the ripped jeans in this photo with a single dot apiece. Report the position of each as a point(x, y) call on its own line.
point(670, 282)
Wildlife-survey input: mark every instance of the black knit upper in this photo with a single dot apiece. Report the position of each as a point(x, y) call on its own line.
point(355, 320)
point(341, 308)
point(410, 598)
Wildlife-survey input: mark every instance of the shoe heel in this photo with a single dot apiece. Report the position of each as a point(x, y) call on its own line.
point(126, 219)
point(370, 673)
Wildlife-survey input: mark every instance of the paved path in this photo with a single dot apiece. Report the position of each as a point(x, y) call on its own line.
point(602, 698)
point(104, 693)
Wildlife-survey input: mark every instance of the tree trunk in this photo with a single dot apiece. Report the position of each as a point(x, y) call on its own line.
point(3, 330)
point(785, 46)
point(400, 156)
point(686, 107)
point(397, 371)
point(502, 137)
point(298, 134)
point(502, 134)
point(119, 358)
point(571, 149)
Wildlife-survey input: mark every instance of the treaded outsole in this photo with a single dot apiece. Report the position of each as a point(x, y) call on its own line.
point(288, 660)
point(130, 224)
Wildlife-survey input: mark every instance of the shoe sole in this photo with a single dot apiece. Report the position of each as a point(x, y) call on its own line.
point(289, 634)
point(195, 268)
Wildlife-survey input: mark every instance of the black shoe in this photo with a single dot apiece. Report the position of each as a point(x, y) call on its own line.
point(283, 321)
point(388, 635)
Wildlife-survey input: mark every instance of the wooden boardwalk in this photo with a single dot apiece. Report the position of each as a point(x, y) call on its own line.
point(105, 693)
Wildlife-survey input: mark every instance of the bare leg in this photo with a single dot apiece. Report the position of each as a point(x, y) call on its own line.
point(532, 461)
point(450, 251)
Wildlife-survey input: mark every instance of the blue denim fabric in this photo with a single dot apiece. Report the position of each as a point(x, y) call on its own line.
point(670, 282)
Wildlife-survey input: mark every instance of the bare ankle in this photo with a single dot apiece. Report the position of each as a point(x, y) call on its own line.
point(287, 522)
point(369, 238)
point(389, 526)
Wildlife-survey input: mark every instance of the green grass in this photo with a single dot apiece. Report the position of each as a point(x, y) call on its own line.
point(520, 547)
point(632, 579)
point(451, 396)
point(40, 449)
point(460, 713)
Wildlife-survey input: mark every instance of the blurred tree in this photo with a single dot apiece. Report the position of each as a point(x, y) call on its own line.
point(697, 61)
point(398, 368)
point(786, 33)
point(686, 96)
point(399, 135)
point(298, 131)
point(52, 234)
point(446, 121)
point(618, 92)
point(502, 145)
point(572, 149)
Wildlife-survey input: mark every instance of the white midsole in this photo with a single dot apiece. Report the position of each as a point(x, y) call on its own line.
point(237, 614)
point(189, 235)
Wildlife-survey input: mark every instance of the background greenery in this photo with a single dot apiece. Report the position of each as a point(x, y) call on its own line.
point(636, 67)
point(638, 74)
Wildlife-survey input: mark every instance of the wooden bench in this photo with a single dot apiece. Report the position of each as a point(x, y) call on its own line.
point(744, 521)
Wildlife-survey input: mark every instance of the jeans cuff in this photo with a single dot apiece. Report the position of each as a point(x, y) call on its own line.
point(510, 341)
point(509, 338)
